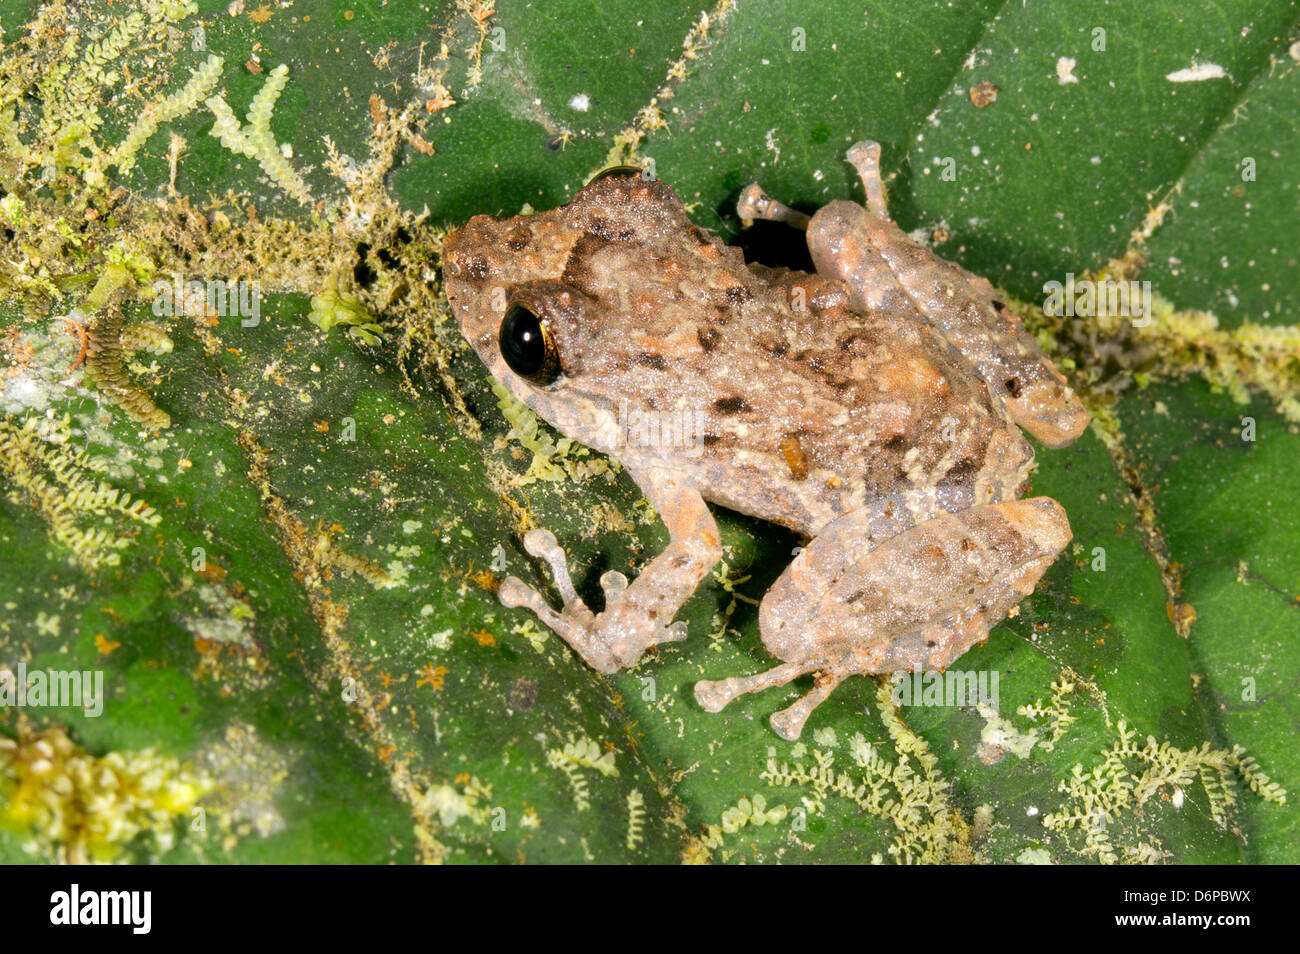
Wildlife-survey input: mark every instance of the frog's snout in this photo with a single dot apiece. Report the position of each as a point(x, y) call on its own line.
point(466, 275)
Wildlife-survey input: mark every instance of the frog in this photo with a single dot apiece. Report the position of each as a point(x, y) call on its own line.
point(876, 405)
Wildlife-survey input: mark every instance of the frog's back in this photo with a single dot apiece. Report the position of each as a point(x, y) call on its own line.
point(802, 409)
point(853, 408)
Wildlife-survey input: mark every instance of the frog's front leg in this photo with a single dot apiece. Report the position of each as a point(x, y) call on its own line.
point(639, 614)
point(916, 600)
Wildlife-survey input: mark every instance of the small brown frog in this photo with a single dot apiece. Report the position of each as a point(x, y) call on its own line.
point(872, 406)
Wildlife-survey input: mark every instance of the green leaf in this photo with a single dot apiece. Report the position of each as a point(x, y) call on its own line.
point(301, 636)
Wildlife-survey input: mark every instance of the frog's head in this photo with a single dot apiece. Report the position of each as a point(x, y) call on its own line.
point(537, 296)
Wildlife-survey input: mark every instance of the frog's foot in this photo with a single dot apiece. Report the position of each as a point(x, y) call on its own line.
point(576, 618)
point(608, 642)
point(789, 722)
point(754, 203)
point(864, 156)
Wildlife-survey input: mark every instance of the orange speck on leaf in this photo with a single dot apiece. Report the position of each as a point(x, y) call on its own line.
point(485, 638)
point(431, 675)
point(211, 572)
point(77, 327)
point(105, 646)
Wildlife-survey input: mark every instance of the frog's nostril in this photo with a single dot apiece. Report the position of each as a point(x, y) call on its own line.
point(1013, 386)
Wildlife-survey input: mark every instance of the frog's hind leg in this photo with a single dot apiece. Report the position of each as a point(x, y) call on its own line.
point(788, 723)
point(874, 256)
point(754, 203)
point(870, 596)
point(864, 156)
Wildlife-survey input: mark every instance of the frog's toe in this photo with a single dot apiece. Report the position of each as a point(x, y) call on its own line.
point(714, 696)
point(575, 619)
point(514, 592)
point(789, 722)
point(543, 545)
point(754, 203)
point(672, 633)
point(613, 584)
point(864, 156)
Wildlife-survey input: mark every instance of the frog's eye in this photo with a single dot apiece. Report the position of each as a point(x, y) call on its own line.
point(528, 347)
point(613, 171)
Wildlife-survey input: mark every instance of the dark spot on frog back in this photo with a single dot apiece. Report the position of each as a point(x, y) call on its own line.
point(709, 338)
point(600, 227)
point(651, 360)
point(731, 404)
point(517, 239)
point(963, 472)
point(897, 443)
point(578, 271)
point(860, 342)
point(827, 367)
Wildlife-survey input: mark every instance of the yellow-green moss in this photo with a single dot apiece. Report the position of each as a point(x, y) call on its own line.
point(577, 754)
point(84, 808)
point(909, 794)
